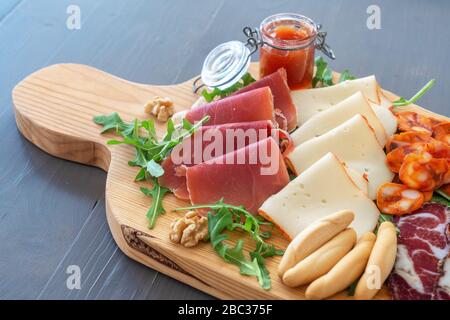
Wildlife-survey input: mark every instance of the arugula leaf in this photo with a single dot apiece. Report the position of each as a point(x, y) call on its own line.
point(149, 152)
point(403, 102)
point(441, 197)
point(345, 75)
point(112, 121)
point(157, 194)
point(141, 175)
point(324, 75)
point(443, 194)
point(352, 288)
point(244, 81)
point(224, 217)
point(385, 217)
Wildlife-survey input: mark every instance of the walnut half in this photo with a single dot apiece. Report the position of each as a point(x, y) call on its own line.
point(189, 230)
point(161, 108)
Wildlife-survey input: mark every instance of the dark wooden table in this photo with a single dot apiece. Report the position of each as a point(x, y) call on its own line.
point(52, 212)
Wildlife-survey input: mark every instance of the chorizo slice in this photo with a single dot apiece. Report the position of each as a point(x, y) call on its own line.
point(394, 159)
point(412, 121)
point(423, 172)
point(441, 132)
point(427, 195)
point(398, 199)
point(405, 138)
point(438, 149)
point(447, 178)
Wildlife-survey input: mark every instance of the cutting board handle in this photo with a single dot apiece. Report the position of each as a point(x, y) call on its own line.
point(54, 108)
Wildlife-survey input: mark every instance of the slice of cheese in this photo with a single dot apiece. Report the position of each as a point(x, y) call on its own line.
point(354, 143)
point(386, 117)
point(359, 180)
point(309, 102)
point(328, 119)
point(322, 189)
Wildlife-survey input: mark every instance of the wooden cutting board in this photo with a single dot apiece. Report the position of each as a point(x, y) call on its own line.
point(54, 108)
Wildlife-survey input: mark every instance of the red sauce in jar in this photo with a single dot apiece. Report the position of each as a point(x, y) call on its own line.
point(294, 42)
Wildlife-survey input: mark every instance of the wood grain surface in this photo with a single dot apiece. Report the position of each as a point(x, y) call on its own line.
point(54, 108)
point(52, 211)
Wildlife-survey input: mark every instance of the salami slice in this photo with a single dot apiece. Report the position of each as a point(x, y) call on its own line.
point(394, 159)
point(423, 172)
point(412, 121)
point(441, 132)
point(406, 138)
point(438, 149)
point(398, 199)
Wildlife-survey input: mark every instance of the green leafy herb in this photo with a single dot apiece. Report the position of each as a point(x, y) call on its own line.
point(243, 82)
point(324, 75)
point(352, 288)
point(112, 121)
point(403, 102)
point(383, 218)
point(224, 217)
point(441, 197)
point(149, 151)
point(156, 193)
point(443, 194)
point(345, 75)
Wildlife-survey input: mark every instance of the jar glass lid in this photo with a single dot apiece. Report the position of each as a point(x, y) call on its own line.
point(225, 65)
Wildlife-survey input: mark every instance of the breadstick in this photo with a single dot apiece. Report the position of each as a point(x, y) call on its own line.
point(345, 272)
point(380, 264)
point(314, 236)
point(321, 261)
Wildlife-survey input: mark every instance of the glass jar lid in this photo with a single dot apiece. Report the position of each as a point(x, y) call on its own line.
point(225, 65)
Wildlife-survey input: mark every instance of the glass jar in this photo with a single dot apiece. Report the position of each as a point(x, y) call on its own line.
point(285, 40)
point(288, 42)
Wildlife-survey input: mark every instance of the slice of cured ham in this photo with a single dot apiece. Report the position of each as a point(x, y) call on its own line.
point(282, 100)
point(442, 290)
point(247, 176)
point(421, 270)
point(213, 141)
point(249, 106)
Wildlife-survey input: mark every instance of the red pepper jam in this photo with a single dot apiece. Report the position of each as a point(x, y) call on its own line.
point(295, 40)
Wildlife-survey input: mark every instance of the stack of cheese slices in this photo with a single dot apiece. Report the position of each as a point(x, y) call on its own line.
point(338, 157)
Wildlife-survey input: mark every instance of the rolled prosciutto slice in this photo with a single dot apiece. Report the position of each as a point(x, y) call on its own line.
point(249, 106)
point(213, 141)
point(285, 110)
point(246, 177)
